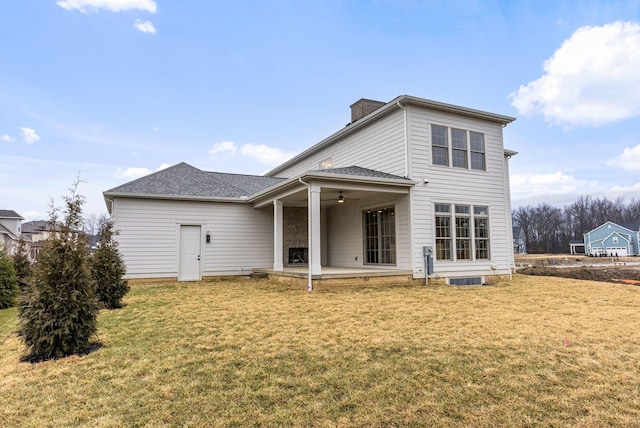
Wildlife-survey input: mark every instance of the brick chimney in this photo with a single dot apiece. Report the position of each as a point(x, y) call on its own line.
point(363, 107)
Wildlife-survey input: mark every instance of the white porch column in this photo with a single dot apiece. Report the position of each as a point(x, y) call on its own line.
point(315, 255)
point(277, 236)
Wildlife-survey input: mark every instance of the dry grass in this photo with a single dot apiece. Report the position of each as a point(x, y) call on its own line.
point(255, 353)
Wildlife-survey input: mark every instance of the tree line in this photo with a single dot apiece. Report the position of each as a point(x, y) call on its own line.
point(548, 229)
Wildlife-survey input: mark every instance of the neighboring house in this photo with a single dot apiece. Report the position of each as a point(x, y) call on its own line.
point(611, 239)
point(519, 242)
point(10, 229)
point(35, 233)
point(405, 179)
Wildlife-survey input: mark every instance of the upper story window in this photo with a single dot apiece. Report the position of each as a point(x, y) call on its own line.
point(440, 145)
point(467, 148)
point(326, 164)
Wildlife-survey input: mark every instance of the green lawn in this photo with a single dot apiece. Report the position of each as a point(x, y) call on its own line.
point(239, 353)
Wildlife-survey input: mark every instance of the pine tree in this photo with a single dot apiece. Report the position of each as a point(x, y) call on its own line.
point(58, 310)
point(8, 281)
point(107, 268)
point(21, 263)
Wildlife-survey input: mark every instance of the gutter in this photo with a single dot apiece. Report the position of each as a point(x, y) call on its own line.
point(406, 140)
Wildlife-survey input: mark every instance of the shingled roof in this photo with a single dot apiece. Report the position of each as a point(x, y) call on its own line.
point(360, 172)
point(184, 180)
point(10, 214)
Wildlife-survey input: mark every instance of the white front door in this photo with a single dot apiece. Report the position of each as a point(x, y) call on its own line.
point(189, 253)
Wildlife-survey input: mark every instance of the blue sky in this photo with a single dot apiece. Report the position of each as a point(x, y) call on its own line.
point(114, 89)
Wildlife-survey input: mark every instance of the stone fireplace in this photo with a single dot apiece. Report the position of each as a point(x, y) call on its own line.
point(295, 246)
point(298, 256)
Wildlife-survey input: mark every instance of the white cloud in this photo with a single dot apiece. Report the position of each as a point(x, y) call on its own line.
point(29, 135)
point(7, 138)
point(223, 149)
point(628, 160)
point(624, 192)
point(88, 6)
point(145, 27)
point(34, 215)
point(132, 172)
point(535, 186)
point(265, 154)
point(592, 79)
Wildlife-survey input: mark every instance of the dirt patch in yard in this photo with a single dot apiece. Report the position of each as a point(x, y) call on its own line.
point(618, 275)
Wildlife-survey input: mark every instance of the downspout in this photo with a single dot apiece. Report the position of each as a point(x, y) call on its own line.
point(406, 141)
point(410, 202)
point(310, 284)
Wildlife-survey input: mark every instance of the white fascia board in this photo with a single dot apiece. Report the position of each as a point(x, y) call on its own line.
point(242, 199)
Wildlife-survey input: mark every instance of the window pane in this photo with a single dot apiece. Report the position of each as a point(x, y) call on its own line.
point(439, 135)
point(477, 161)
point(440, 156)
point(462, 209)
point(443, 208)
point(463, 249)
point(481, 210)
point(477, 141)
point(482, 249)
point(443, 227)
point(458, 139)
point(443, 249)
point(459, 158)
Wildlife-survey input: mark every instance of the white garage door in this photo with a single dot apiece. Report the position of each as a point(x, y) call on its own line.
point(617, 251)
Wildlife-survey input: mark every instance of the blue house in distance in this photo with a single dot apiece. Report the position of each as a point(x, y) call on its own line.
point(613, 239)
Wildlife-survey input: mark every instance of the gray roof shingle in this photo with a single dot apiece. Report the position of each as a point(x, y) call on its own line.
point(184, 180)
point(361, 172)
point(9, 214)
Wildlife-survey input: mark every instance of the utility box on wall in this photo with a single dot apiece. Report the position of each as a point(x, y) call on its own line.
point(427, 253)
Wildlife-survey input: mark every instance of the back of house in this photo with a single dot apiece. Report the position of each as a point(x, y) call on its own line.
point(412, 185)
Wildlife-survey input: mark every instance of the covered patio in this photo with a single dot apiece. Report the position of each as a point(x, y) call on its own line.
point(339, 225)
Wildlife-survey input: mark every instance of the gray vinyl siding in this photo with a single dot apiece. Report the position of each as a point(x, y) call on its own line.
point(379, 146)
point(241, 236)
point(458, 186)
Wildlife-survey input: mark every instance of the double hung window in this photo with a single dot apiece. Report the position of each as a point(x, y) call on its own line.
point(440, 145)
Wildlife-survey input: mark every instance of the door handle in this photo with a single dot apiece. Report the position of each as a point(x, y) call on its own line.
point(198, 257)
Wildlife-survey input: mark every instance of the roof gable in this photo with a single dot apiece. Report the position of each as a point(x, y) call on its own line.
point(184, 181)
point(608, 225)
